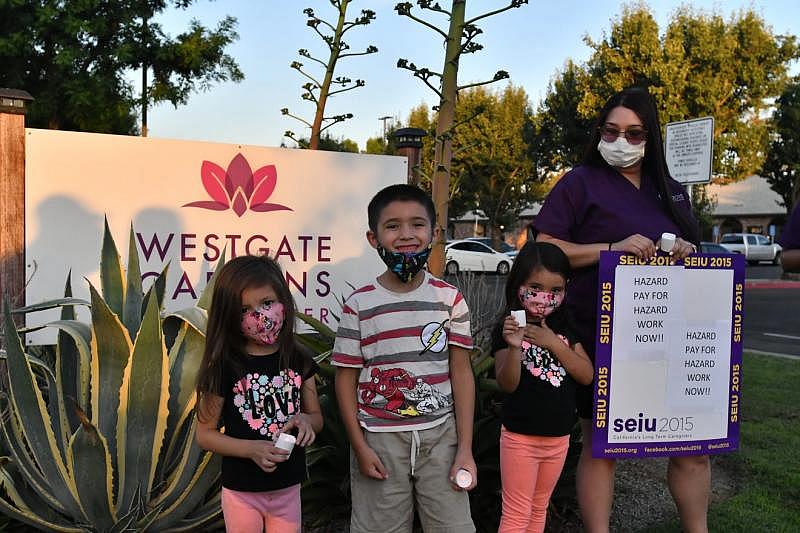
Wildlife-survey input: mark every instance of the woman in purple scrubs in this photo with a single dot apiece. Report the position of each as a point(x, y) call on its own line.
point(790, 240)
point(620, 198)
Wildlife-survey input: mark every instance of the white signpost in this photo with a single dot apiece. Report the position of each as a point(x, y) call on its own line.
point(689, 150)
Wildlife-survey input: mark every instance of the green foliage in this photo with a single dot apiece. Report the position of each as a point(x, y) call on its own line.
point(766, 469)
point(330, 144)
point(782, 166)
point(73, 57)
point(491, 168)
point(101, 437)
point(700, 65)
point(703, 208)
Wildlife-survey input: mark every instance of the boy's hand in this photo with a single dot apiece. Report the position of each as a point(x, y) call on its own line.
point(464, 460)
point(512, 333)
point(305, 432)
point(266, 455)
point(542, 336)
point(370, 464)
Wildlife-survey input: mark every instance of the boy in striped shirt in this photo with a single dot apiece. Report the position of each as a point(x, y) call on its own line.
point(404, 381)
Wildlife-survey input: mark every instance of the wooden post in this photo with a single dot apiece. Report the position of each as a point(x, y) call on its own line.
point(12, 194)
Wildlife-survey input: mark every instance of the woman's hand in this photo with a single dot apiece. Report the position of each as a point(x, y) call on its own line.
point(266, 455)
point(512, 332)
point(305, 431)
point(542, 336)
point(639, 245)
point(682, 248)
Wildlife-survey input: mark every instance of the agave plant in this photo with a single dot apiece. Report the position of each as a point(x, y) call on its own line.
point(102, 438)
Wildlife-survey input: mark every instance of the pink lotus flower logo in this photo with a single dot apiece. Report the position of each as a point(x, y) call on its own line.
point(238, 188)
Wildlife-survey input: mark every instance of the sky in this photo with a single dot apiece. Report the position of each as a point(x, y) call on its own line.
point(532, 43)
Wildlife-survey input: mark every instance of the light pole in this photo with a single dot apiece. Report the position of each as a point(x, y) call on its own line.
point(409, 144)
point(384, 119)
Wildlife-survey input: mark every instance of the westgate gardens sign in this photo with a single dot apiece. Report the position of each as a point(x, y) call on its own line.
point(190, 201)
point(669, 355)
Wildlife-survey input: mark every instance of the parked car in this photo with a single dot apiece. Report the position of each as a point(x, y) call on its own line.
point(505, 248)
point(754, 247)
point(713, 248)
point(469, 254)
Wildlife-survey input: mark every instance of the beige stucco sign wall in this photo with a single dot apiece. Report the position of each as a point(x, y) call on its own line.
point(188, 201)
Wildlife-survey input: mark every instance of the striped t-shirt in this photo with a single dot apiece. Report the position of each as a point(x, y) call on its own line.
point(400, 341)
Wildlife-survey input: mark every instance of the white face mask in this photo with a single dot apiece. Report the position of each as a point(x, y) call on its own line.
point(621, 153)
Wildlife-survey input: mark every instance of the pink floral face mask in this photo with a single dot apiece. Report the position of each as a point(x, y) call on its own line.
point(264, 323)
point(537, 303)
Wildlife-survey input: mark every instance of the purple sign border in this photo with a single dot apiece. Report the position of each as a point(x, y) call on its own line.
point(601, 448)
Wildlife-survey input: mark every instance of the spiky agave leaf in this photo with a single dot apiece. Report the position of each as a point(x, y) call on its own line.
point(142, 416)
point(132, 309)
point(111, 351)
point(27, 402)
point(91, 467)
point(112, 278)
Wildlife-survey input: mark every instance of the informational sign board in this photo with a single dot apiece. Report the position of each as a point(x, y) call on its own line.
point(669, 355)
point(189, 202)
point(689, 149)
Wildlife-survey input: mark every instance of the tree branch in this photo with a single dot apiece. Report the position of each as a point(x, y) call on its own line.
point(285, 112)
point(335, 120)
point(299, 68)
point(405, 11)
point(370, 50)
point(514, 3)
point(359, 83)
point(426, 4)
point(305, 53)
point(499, 75)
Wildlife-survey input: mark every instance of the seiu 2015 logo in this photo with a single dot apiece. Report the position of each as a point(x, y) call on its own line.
point(634, 425)
point(238, 188)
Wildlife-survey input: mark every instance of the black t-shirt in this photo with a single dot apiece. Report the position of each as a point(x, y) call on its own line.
point(544, 402)
point(258, 402)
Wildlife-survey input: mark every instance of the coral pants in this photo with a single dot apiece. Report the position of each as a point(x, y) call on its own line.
point(529, 467)
point(275, 511)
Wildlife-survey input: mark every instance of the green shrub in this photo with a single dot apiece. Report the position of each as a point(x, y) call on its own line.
point(101, 438)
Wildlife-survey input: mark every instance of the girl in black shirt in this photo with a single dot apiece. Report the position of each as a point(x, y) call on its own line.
point(255, 381)
point(537, 365)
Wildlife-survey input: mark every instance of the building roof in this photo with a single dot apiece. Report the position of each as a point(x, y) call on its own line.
point(751, 196)
point(470, 216)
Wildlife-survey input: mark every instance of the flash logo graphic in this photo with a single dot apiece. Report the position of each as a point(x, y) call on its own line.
point(433, 337)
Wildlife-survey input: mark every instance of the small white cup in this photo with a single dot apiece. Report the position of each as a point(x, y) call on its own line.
point(667, 242)
point(519, 316)
point(286, 442)
point(463, 478)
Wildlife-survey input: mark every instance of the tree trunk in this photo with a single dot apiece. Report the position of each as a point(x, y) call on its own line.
point(444, 145)
point(336, 49)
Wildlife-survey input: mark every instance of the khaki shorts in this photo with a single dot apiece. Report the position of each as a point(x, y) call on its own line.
point(387, 506)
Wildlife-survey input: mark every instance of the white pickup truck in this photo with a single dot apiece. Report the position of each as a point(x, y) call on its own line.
point(754, 247)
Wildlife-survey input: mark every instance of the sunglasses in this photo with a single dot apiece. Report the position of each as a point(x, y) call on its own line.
point(634, 135)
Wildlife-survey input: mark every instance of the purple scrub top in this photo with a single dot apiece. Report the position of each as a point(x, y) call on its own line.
point(790, 238)
point(597, 204)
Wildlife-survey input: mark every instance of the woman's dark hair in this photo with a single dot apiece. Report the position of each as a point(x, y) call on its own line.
point(654, 165)
point(225, 342)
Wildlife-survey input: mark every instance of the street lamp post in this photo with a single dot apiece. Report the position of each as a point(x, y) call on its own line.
point(409, 144)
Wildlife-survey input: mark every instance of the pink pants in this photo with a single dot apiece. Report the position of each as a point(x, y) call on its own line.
point(275, 511)
point(529, 467)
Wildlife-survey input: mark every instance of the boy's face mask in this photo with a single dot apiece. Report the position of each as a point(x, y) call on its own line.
point(539, 303)
point(263, 324)
point(405, 266)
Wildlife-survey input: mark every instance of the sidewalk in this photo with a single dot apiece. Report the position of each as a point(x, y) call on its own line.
point(771, 284)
